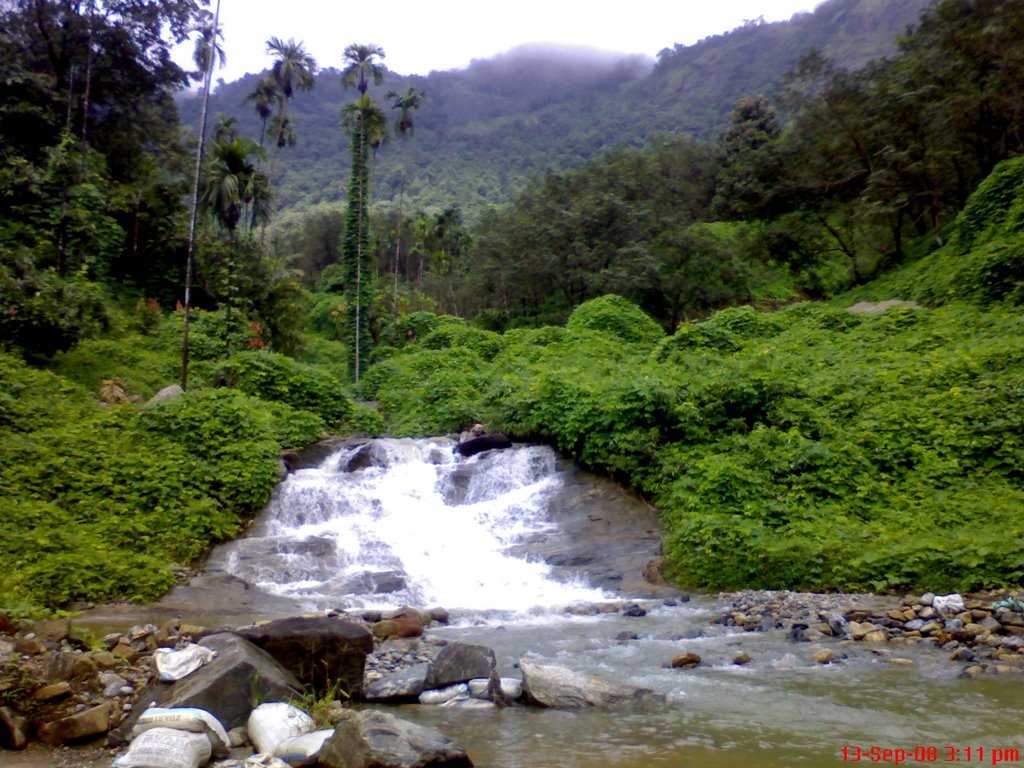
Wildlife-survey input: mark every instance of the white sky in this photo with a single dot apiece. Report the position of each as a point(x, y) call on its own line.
point(421, 35)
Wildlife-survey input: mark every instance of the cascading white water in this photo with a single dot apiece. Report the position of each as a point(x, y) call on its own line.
point(426, 528)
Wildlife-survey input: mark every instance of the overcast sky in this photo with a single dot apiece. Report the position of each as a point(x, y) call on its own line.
point(422, 35)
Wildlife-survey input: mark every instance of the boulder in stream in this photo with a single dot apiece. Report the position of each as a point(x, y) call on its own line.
point(319, 650)
point(404, 685)
point(229, 687)
point(460, 663)
point(372, 739)
point(491, 442)
point(548, 685)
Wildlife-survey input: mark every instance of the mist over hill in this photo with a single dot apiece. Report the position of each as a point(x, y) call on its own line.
point(485, 129)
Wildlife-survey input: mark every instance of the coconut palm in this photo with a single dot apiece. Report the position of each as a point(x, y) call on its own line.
point(362, 66)
point(262, 98)
point(407, 103)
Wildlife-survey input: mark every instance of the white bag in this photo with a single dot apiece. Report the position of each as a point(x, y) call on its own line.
point(270, 724)
point(172, 666)
point(255, 761)
point(166, 748)
point(947, 604)
point(184, 719)
point(444, 695)
point(302, 750)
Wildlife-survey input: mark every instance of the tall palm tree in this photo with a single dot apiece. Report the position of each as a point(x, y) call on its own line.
point(262, 99)
point(368, 127)
point(202, 56)
point(293, 70)
point(362, 66)
point(406, 103)
point(234, 186)
point(206, 41)
point(226, 128)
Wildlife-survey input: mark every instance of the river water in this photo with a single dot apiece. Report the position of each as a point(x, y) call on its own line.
point(501, 540)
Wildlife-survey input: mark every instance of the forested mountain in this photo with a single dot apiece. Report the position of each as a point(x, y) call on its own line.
point(484, 130)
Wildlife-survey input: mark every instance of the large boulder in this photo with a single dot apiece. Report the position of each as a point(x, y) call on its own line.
point(405, 685)
point(229, 687)
point(87, 724)
point(320, 651)
point(492, 442)
point(548, 685)
point(460, 663)
point(364, 457)
point(165, 394)
point(373, 739)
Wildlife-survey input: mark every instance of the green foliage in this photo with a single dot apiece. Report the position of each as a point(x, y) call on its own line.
point(274, 377)
point(995, 209)
point(617, 317)
point(448, 334)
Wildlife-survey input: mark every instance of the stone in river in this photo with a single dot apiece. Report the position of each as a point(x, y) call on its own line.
point(373, 739)
point(556, 687)
point(460, 663)
point(685, 660)
point(405, 685)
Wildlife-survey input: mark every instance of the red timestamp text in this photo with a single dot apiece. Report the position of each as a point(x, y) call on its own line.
point(930, 754)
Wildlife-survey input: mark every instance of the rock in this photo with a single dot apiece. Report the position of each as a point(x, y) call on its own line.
point(685, 661)
point(238, 737)
point(404, 685)
point(112, 684)
point(460, 663)
point(13, 730)
point(125, 651)
point(30, 645)
point(948, 604)
point(914, 625)
point(229, 687)
point(741, 658)
point(858, 630)
point(52, 692)
point(881, 307)
point(900, 662)
point(53, 630)
point(653, 574)
point(824, 657)
point(962, 654)
point(445, 695)
point(112, 392)
point(165, 394)
point(625, 637)
point(490, 442)
point(975, 670)
point(407, 622)
point(511, 688)
point(927, 598)
point(548, 685)
point(364, 457)
point(374, 739)
point(877, 636)
point(633, 611)
point(927, 613)
point(931, 628)
point(374, 583)
point(440, 615)
point(78, 727)
point(320, 651)
point(480, 688)
point(990, 624)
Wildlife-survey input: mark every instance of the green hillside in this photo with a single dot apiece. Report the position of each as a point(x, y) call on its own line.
point(485, 130)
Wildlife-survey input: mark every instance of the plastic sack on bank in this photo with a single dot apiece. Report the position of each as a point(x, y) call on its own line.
point(185, 719)
point(300, 751)
point(167, 748)
point(270, 724)
point(172, 666)
point(255, 761)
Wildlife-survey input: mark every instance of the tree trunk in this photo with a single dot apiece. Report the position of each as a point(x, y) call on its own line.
point(200, 152)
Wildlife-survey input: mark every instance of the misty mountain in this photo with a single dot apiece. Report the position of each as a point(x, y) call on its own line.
point(486, 129)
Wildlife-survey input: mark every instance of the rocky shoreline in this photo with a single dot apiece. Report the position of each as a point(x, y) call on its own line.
point(61, 688)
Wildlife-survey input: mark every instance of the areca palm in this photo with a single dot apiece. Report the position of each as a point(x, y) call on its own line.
point(407, 103)
point(262, 99)
point(208, 47)
point(362, 66)
point(234, 184)
point(294, 70)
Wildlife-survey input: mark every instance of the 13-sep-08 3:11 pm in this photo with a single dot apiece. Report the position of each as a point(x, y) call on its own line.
point(926, 754)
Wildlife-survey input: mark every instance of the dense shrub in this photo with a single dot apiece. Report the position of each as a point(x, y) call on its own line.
point(617, 317)
point(270, 376)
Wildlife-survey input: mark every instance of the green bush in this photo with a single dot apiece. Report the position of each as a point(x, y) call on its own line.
point(995, 209)
point(270, 376)
point(142, 370)
point(617, 317)
point(448, 335)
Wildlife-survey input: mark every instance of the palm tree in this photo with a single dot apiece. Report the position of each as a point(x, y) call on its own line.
point(206, 40)
point(362, 66)
point(234, 185)
point(202, 56)
point(407, 103)
point(368, 128)
point(262, 99)
point(226, 128)
point(293, 70)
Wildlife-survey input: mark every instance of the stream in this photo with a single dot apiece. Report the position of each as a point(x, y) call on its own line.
point(506, 541)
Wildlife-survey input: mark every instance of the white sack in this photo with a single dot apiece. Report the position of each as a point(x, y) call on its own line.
point(302, 750)
point(174, 665)
point(185, 719)
point(949, 604)
point(270, 724)
point(166, 748)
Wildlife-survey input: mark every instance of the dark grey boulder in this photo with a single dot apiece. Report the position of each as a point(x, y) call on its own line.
point(321, 651)
point(492, 442)
point(364, 457)
point(375, 583)
point(372, 739)
point(239, 678)
point(404, 685)
point(460, 663)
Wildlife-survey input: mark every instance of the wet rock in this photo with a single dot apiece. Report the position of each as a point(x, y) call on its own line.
point(975, 670)
point(406, 622)
point(320, 651)
point(228, 687)
point(112, 684)
point(492, 442)
point(625, 637)
point(165, 394)
point(379, 583)
point(13, 730)
point(238, 737)
point(742, 658)
point(445, 695)
point(459, 663)
point(30, 645)
point(511, 688)
point(380, 740)
point(798, 633)
point(87, 724)
point(633, 611)
point(440, 615)
point(364, 457)
point(824, 656)
point(963, 654)
point(404, 685)
point(686, 660)
point(877, 636)
point(556, 687)
point(371, 617)
point(927, 598)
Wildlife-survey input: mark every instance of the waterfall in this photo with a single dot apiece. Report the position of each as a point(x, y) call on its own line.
point(415, 525)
